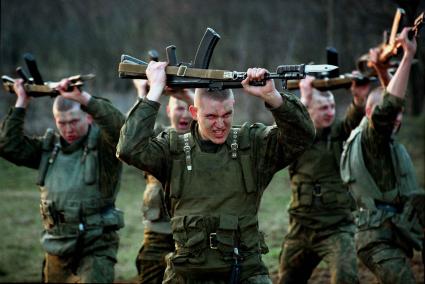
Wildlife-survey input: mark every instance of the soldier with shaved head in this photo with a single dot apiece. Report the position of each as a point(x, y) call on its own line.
point(214, 175)
point(79, 181)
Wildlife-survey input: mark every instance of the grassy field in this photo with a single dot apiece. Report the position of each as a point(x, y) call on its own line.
point(21, 254)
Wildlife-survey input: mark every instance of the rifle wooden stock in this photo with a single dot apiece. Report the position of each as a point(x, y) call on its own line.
point(48, 88)
point(390, 48)
point(327, 84)
point(323, 84)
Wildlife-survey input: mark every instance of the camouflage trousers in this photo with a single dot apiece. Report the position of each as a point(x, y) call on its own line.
point(383, 253)
point(94, 266)
point(303, 249)
point(171, 277)
point(150, 261)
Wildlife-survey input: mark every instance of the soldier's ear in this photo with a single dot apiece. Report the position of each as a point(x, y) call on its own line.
point(369, 111)
point(194, 112)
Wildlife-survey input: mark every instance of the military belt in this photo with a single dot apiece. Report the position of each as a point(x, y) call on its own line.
point(317, 190)
point(213, 241)
point(388, 207)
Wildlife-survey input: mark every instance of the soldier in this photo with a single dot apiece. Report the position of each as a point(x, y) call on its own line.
point(158, 239)
point(78, 178)
point(214, 176)
point(380, 175)
point(320, 220)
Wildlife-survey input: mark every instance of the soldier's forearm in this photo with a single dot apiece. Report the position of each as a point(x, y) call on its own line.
point(107, 117)
point(14, 145)
point(292, 117)
point(137, 131)
point(398, 83)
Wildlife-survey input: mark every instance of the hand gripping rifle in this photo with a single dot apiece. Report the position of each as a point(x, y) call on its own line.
point(197, 74)
point(35, 86)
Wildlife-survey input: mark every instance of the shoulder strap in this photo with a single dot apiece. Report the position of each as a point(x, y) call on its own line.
point(46, 159)
point(93, 137)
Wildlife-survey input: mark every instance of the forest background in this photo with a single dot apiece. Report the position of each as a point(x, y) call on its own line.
point(78, 37)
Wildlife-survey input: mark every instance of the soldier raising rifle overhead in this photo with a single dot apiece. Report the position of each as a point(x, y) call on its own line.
point(78, 178)
point(214, 176)
point(381, 178)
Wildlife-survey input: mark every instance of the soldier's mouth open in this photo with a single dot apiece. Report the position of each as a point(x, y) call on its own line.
point(183, 124)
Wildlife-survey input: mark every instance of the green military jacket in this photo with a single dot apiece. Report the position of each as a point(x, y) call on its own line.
point(155, 215)
point(380, 174)
point(319, 198)
point(78, 182)
point(213, 196)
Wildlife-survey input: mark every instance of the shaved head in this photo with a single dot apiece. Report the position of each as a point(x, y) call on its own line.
point(318, 96)
point(374, 99)
point(322, 109)
point(213, 110)
point(61, 104)
point(215, 95)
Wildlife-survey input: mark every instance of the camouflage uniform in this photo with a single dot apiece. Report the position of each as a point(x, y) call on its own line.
point(320, 221)
point(381, 178)
point(78, 184)
point(213, 191)
point(158, 240)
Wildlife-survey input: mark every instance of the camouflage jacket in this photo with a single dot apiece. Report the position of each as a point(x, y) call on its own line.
point(26, 151)
point(319, 166)
point(377, 139)
point(274, 148)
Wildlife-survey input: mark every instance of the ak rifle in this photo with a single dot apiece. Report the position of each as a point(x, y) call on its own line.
point(333, 83)
point(34, 85)
point(183, 76)
point(389, 47)
point(198, 75)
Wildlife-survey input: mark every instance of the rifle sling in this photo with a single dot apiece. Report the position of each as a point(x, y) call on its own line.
point(180, 71)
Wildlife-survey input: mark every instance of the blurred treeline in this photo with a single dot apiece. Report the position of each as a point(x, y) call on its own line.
point(71, 37)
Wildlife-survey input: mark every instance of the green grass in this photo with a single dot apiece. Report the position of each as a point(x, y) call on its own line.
point(21, 253)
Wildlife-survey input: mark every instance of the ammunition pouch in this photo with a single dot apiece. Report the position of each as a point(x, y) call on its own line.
point(409, 227)
point(206, 244)
point(331, 195)
point(406, 223)
point(366, 218)
point(153, 206)
point(66, 222)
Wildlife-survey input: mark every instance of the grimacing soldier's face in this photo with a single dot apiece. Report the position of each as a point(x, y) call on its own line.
point(214, 118)
point(322, 111)
point(72, 124)
point(179, 115)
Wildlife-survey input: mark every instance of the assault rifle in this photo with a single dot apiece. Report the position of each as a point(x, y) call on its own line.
point(197, 74)
point(35, 86)
point(389, 48)
point(342, 81)
point(332, 80)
